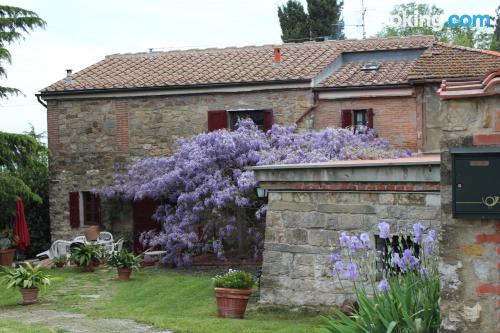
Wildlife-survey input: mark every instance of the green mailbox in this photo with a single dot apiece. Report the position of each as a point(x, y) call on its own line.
point(476, 182)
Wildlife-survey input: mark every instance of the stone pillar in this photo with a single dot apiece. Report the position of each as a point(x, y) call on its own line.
point(469, 248)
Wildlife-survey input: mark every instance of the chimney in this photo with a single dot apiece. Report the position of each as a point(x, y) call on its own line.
point(69, 72)
point(277, 56)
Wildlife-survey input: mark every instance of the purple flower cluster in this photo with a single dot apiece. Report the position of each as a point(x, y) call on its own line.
point(205, 182)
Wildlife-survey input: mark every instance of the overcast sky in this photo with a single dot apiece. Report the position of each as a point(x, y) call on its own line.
point(81, 32)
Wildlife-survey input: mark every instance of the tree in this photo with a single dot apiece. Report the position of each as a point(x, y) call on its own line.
point(495, 38)
point(14, 21)
point(407, 10)
point(459, 35)
point(293, 21)
point(207, 196)
point(322, 20)
point(24, 173)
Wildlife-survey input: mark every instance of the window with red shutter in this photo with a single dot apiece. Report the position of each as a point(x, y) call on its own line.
point(74, 209)
point(268, 119)
point(346, 118)
point(217, 120)
point(369, 118)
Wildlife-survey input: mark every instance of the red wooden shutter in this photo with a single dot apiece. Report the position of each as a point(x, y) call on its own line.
point(74, 209)
point(268, 119)
point(346, 118)
point(369, 118)
point(98, 211)
point(217, 120)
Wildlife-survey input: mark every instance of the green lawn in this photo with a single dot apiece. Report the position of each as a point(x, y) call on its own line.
point(8, 326)
point(178, 300)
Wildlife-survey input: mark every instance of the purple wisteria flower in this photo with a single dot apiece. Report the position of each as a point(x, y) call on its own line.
point(383, 286)
point(384, 230)
point(205, 181)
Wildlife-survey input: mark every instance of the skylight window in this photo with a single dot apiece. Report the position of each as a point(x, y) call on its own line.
point(371, 66)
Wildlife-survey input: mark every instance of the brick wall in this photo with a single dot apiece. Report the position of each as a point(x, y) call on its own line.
point(395, 118)
point(469, 248)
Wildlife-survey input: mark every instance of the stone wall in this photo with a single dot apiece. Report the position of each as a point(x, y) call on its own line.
point(309, 205)
point(91, 139)
point(470, 248)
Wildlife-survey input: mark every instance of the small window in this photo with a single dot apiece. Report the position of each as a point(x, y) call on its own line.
point(261, 118)
point(370, 66)
point(91, 209)
point(360, 120)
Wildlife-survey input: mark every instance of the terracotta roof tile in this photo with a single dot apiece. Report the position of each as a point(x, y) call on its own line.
point(222, 66)
point(352, 74)
point(443, 61)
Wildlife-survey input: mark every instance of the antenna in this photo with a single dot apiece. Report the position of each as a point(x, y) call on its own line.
point(363, 12)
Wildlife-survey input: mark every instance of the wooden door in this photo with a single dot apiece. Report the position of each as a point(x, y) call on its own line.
point(143, 220)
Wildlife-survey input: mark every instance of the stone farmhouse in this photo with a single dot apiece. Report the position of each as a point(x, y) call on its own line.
point(438, 100)
point(131, 106)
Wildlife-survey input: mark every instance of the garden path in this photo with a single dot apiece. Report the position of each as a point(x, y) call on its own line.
point(74, 322)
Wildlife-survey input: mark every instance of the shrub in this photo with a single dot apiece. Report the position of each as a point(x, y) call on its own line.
point(234, 279)
point(405, 299)
point(87, 255)
point(123, 259)
point(26, 277)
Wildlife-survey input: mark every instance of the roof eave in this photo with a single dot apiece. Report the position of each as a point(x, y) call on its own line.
point(44, 93)
point(364, 87)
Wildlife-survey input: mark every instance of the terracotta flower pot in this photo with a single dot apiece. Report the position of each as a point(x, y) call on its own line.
point(232, 303)
point(91, 233)
point(90, 268)
point(30, 296)
point(7, 257)
point(124, 274)
point(60, 264)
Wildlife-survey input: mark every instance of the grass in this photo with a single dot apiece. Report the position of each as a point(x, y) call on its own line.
point(182, 301)
point(8, 326)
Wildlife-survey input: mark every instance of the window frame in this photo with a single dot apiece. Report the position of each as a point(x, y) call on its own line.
point(84, 206)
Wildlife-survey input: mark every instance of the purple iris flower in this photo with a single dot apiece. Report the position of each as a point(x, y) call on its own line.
point(384, 229)
point(383, 286)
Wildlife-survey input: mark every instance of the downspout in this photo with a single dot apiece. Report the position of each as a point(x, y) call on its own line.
point(309, 109)
point(39, 98)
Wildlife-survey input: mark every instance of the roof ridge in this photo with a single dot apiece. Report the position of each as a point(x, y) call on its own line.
point(466, 48)
point(229, 48)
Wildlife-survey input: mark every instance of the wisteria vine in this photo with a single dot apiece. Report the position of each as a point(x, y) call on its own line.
point(204, 187)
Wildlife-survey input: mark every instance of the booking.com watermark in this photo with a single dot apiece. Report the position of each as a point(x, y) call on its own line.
point(437, 22)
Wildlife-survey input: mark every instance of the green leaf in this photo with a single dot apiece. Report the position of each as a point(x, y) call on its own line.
point(391, 327)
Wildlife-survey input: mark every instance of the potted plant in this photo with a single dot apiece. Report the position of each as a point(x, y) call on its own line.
point(59, 261)
point(28, 279)
point(124, 262)
point(232, 291)
point(6, 251)
point(87, 256)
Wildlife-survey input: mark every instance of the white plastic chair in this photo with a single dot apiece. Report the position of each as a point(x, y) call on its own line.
point(105, 237)
point(118, 245)
point(60, 248)
point(80, 239)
